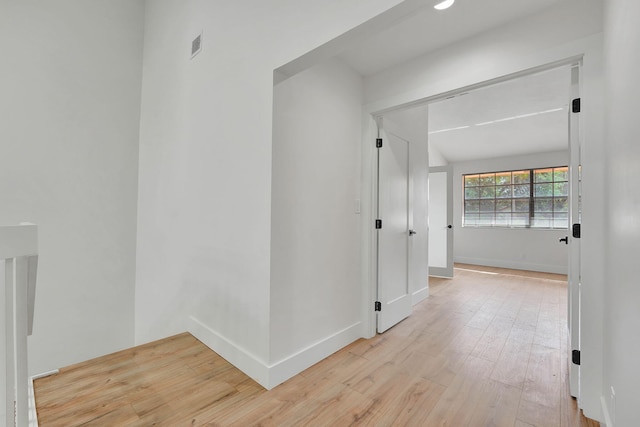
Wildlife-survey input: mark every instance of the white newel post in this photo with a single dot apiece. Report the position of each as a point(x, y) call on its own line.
point(19, 251)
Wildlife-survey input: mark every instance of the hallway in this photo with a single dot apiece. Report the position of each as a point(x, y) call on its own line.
point(486, 348)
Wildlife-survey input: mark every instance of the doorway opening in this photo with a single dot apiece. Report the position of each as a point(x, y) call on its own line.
point(522, 122)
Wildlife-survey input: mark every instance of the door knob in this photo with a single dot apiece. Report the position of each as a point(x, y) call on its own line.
point(449, 226)
point(565, 239)
point(412, 232)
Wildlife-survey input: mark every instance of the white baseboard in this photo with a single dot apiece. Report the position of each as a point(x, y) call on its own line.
point(230, 351)
point(419, 295)
point(605, 413)
point(33, 413)
point(270, 375)
point(307, 357)
point(516, 265)
point(44, 374)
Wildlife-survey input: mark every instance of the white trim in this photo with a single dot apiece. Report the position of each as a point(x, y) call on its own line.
point(44, 374)
point(369, 201)
point(605, 413)
point(286, 368)
point(439, 276)
point(543, 268)
point(419, 295)
point(33, 411)
point(270, 375)
point(232, 352)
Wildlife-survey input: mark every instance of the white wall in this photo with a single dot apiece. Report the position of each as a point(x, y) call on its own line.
point(204, 217)
point(524, 249)
point(482, 57)
point(572, 28)
point(70, 84)
point(315, 230)
point(622, 293)
point(435, 157)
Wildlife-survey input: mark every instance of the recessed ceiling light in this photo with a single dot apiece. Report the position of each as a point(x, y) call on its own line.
point(444, 5)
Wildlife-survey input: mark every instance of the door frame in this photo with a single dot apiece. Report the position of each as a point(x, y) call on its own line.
point(575, 217)
point(371, 114)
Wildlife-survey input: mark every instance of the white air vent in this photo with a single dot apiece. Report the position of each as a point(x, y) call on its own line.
point(196, 45)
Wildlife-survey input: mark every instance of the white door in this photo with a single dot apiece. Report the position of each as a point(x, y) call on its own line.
point(573, 240)
point(441, 221)
point(394, 294)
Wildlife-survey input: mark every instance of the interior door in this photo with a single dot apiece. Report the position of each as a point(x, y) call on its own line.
point(394, 294)
point(573, 238)
point(441, 221)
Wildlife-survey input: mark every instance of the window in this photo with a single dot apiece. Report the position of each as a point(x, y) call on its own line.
point(536, 198)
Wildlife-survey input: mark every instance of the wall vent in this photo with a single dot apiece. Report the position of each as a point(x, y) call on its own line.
point(196, 45)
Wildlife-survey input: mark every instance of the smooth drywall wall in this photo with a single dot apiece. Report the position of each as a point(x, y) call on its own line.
point(622, 293)
point(204, 213)
point(436, 158)
point(524, 249)
point(315, 218)
point(573, 29)
point(483, 57)
point(70, 81)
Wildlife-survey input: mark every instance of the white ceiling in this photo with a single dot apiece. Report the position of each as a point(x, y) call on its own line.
point(431, 29)
point(521, 116)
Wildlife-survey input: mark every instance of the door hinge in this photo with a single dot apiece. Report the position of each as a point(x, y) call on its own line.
point(378, 142)
point(575, 105)
point(377, 306)
point(378, 224)
point(575, 357)
point(576, 231)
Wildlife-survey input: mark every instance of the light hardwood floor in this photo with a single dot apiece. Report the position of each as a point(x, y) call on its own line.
point(486, 349)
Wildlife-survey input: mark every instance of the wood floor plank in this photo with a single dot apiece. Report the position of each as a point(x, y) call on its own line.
point(511, 367)
point(542, 382)
point(497, 406)
point(413, 406)
point(487, 348)
point(456, 405)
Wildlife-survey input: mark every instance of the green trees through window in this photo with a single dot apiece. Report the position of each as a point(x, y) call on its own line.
point(537, 198)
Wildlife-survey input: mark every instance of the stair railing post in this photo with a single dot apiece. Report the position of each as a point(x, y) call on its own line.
point(18, 249)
